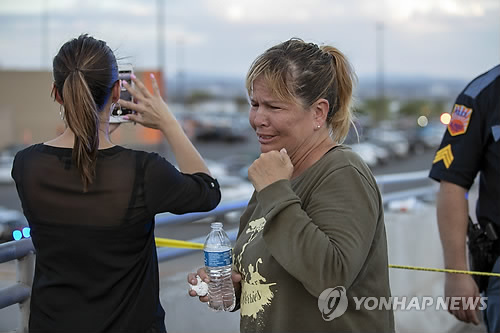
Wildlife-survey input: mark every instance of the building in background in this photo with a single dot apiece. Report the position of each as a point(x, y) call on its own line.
point(28, 114)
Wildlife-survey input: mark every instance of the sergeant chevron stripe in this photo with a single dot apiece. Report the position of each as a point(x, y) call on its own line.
point(445, 155)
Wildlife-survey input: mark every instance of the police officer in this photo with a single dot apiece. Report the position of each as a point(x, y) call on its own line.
point(471, 145)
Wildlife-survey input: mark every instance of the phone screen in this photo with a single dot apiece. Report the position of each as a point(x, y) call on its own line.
point(124, 74)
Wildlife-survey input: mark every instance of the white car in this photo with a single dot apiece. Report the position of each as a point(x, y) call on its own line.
point(367, 153)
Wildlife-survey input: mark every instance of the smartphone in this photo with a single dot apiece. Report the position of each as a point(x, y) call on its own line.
point(125, 72)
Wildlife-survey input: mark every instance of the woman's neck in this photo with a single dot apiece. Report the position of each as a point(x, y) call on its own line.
point(67, 139)
point(303, 160)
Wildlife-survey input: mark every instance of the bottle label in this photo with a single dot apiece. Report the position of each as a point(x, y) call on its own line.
point(218, 259)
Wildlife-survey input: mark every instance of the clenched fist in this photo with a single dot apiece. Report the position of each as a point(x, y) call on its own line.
point(269, 168)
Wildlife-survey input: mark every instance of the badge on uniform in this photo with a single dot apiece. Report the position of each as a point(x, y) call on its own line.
point(459, 120)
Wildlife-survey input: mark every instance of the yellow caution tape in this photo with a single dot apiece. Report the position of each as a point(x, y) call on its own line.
point(166, 242)
point(443, 270)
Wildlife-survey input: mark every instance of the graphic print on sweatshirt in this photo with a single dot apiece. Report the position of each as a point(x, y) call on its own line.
point(256, 294)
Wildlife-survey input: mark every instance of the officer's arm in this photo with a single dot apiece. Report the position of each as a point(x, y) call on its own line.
point(453, 217)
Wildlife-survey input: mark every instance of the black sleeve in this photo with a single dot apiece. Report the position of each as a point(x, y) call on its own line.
point(20, 160)
point(15, 168)
point(169, 190)
point(459, 156)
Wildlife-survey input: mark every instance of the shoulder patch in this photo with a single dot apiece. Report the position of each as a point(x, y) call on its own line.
point(459, 120)
point(444, 154)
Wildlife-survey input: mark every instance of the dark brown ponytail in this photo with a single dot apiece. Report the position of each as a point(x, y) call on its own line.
point(81, 117)
point(85, 70)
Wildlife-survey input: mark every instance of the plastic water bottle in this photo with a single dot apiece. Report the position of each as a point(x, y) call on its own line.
point(218, 264)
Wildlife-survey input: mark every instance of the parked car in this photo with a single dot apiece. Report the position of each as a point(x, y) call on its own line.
point(367, 153)
point(428, 137)
point(393, 140)
point(220, 127)
point(383, 154)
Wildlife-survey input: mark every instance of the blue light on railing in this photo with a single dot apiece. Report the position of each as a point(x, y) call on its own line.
point(17, 234)
point(26, 232)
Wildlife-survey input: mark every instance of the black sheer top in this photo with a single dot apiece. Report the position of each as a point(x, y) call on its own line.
point(96, 265)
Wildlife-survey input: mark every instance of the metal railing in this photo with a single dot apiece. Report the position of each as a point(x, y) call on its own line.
point(19, 293)
point(24, 253)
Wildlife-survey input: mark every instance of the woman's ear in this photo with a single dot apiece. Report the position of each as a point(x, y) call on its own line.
point(320, 109)
point(115, 92)
point(56, 95)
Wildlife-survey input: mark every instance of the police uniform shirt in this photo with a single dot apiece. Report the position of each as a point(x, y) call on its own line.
point(471, 144)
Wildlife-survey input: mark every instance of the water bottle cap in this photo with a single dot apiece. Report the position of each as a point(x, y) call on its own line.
point(216, 225)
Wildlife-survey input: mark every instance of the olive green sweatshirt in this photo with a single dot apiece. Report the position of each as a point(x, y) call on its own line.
point(323, 229)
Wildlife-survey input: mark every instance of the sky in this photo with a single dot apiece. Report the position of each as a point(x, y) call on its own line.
point(435, 38)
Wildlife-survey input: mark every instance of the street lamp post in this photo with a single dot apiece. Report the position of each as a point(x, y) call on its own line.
point(161, 42)
point(44, 50)
point(379, 41)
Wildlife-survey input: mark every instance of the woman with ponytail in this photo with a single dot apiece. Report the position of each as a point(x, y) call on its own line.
point(312, 239)
point(91, 204)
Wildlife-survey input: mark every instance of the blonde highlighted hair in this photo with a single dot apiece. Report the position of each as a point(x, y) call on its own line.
point(305, 72)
